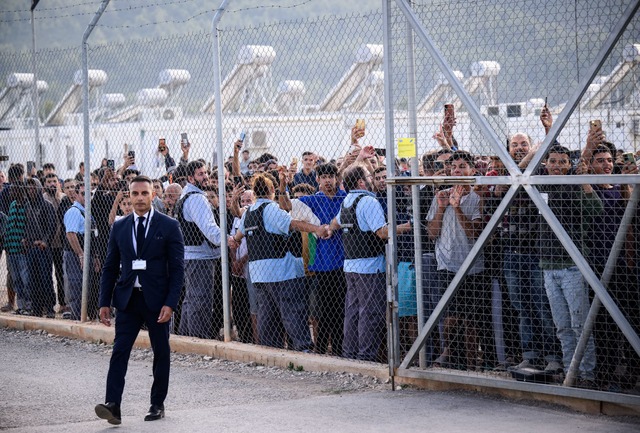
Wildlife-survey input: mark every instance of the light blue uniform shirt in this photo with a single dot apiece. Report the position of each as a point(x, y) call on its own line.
point(197, 209)
point(276, 221)
point(370, 217)
point(73, 219)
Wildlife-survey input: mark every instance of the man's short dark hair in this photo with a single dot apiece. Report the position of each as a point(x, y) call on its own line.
point(466, 156)
point(160, 182)
point(324, 169)
point(428, 159)
point(15, 173)
point(193, 166)
point(142, 178)
point(304, 188)
point(353, 176)
point(264, 158)
point(602, 149)
point(129, 171)
point(50, 176)
point(48, 166)
point(558, 149)
point(379, 169)
point(306, 153)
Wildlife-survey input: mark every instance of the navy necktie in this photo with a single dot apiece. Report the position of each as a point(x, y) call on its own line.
point(140, 235)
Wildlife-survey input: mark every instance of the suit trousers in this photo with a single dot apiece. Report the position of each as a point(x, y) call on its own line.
point(128, 323)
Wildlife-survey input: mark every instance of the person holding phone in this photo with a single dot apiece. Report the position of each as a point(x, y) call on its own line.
point(539, 347)
point(202, 314)
point(614, 197)
point(444, 136)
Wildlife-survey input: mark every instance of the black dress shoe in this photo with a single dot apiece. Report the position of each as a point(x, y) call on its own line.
point(155, 412)
point(110, 412)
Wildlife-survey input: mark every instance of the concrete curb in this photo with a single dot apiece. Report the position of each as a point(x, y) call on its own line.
point(232, 351)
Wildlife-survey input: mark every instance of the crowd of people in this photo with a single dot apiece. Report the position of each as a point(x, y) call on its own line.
point(307, 252)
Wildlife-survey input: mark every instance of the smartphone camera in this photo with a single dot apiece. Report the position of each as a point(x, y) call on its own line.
point(111, 164)
point(628, 158)
point(184, 140)
point(242, 136)
point(595, 124)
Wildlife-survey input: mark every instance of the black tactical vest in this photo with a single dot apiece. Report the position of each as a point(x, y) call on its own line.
point(260, 243)
point(357, 243)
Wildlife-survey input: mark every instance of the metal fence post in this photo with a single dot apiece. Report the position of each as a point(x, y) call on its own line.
point(87, 161)
point(220, 164)
point(392, 280)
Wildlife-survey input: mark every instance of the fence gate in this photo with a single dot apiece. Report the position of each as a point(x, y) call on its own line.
point(530, 275)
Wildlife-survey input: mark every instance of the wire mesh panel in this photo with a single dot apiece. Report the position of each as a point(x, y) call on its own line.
point(519, 308)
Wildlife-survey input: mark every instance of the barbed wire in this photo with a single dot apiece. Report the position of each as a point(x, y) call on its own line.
point(75, 5)
point(131, 8)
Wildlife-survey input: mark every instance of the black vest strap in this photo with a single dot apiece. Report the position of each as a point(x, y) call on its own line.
point(358, 244)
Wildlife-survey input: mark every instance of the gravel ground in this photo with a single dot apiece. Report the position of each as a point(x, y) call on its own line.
point(37, 366)
point(51, 384)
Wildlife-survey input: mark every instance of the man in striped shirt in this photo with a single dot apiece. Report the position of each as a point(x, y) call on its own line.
point(14, 245)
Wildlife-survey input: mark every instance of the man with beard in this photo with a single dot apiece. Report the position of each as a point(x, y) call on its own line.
point(364, 233)
point(170, 198)
point(523, 276)
point(53, 194)
point(40, 230)
point(202, 306)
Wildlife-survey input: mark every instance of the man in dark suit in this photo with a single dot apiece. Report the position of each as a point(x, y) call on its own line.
point(141, 278)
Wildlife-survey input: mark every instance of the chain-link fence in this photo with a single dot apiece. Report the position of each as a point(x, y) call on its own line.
point(505, 282)
point(306, 184)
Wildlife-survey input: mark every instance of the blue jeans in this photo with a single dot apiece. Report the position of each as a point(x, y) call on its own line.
point(283, 307)
point(527, 295)
point(568, 294)
point(19, 270)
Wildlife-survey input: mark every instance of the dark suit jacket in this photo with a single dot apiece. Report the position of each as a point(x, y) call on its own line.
point(164, 252)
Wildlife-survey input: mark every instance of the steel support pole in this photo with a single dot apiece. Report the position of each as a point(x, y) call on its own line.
point(217, 82)
point(86, 270)
point(35, 97)
point(415, 190)
point(606, 278)
point(392, 279)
